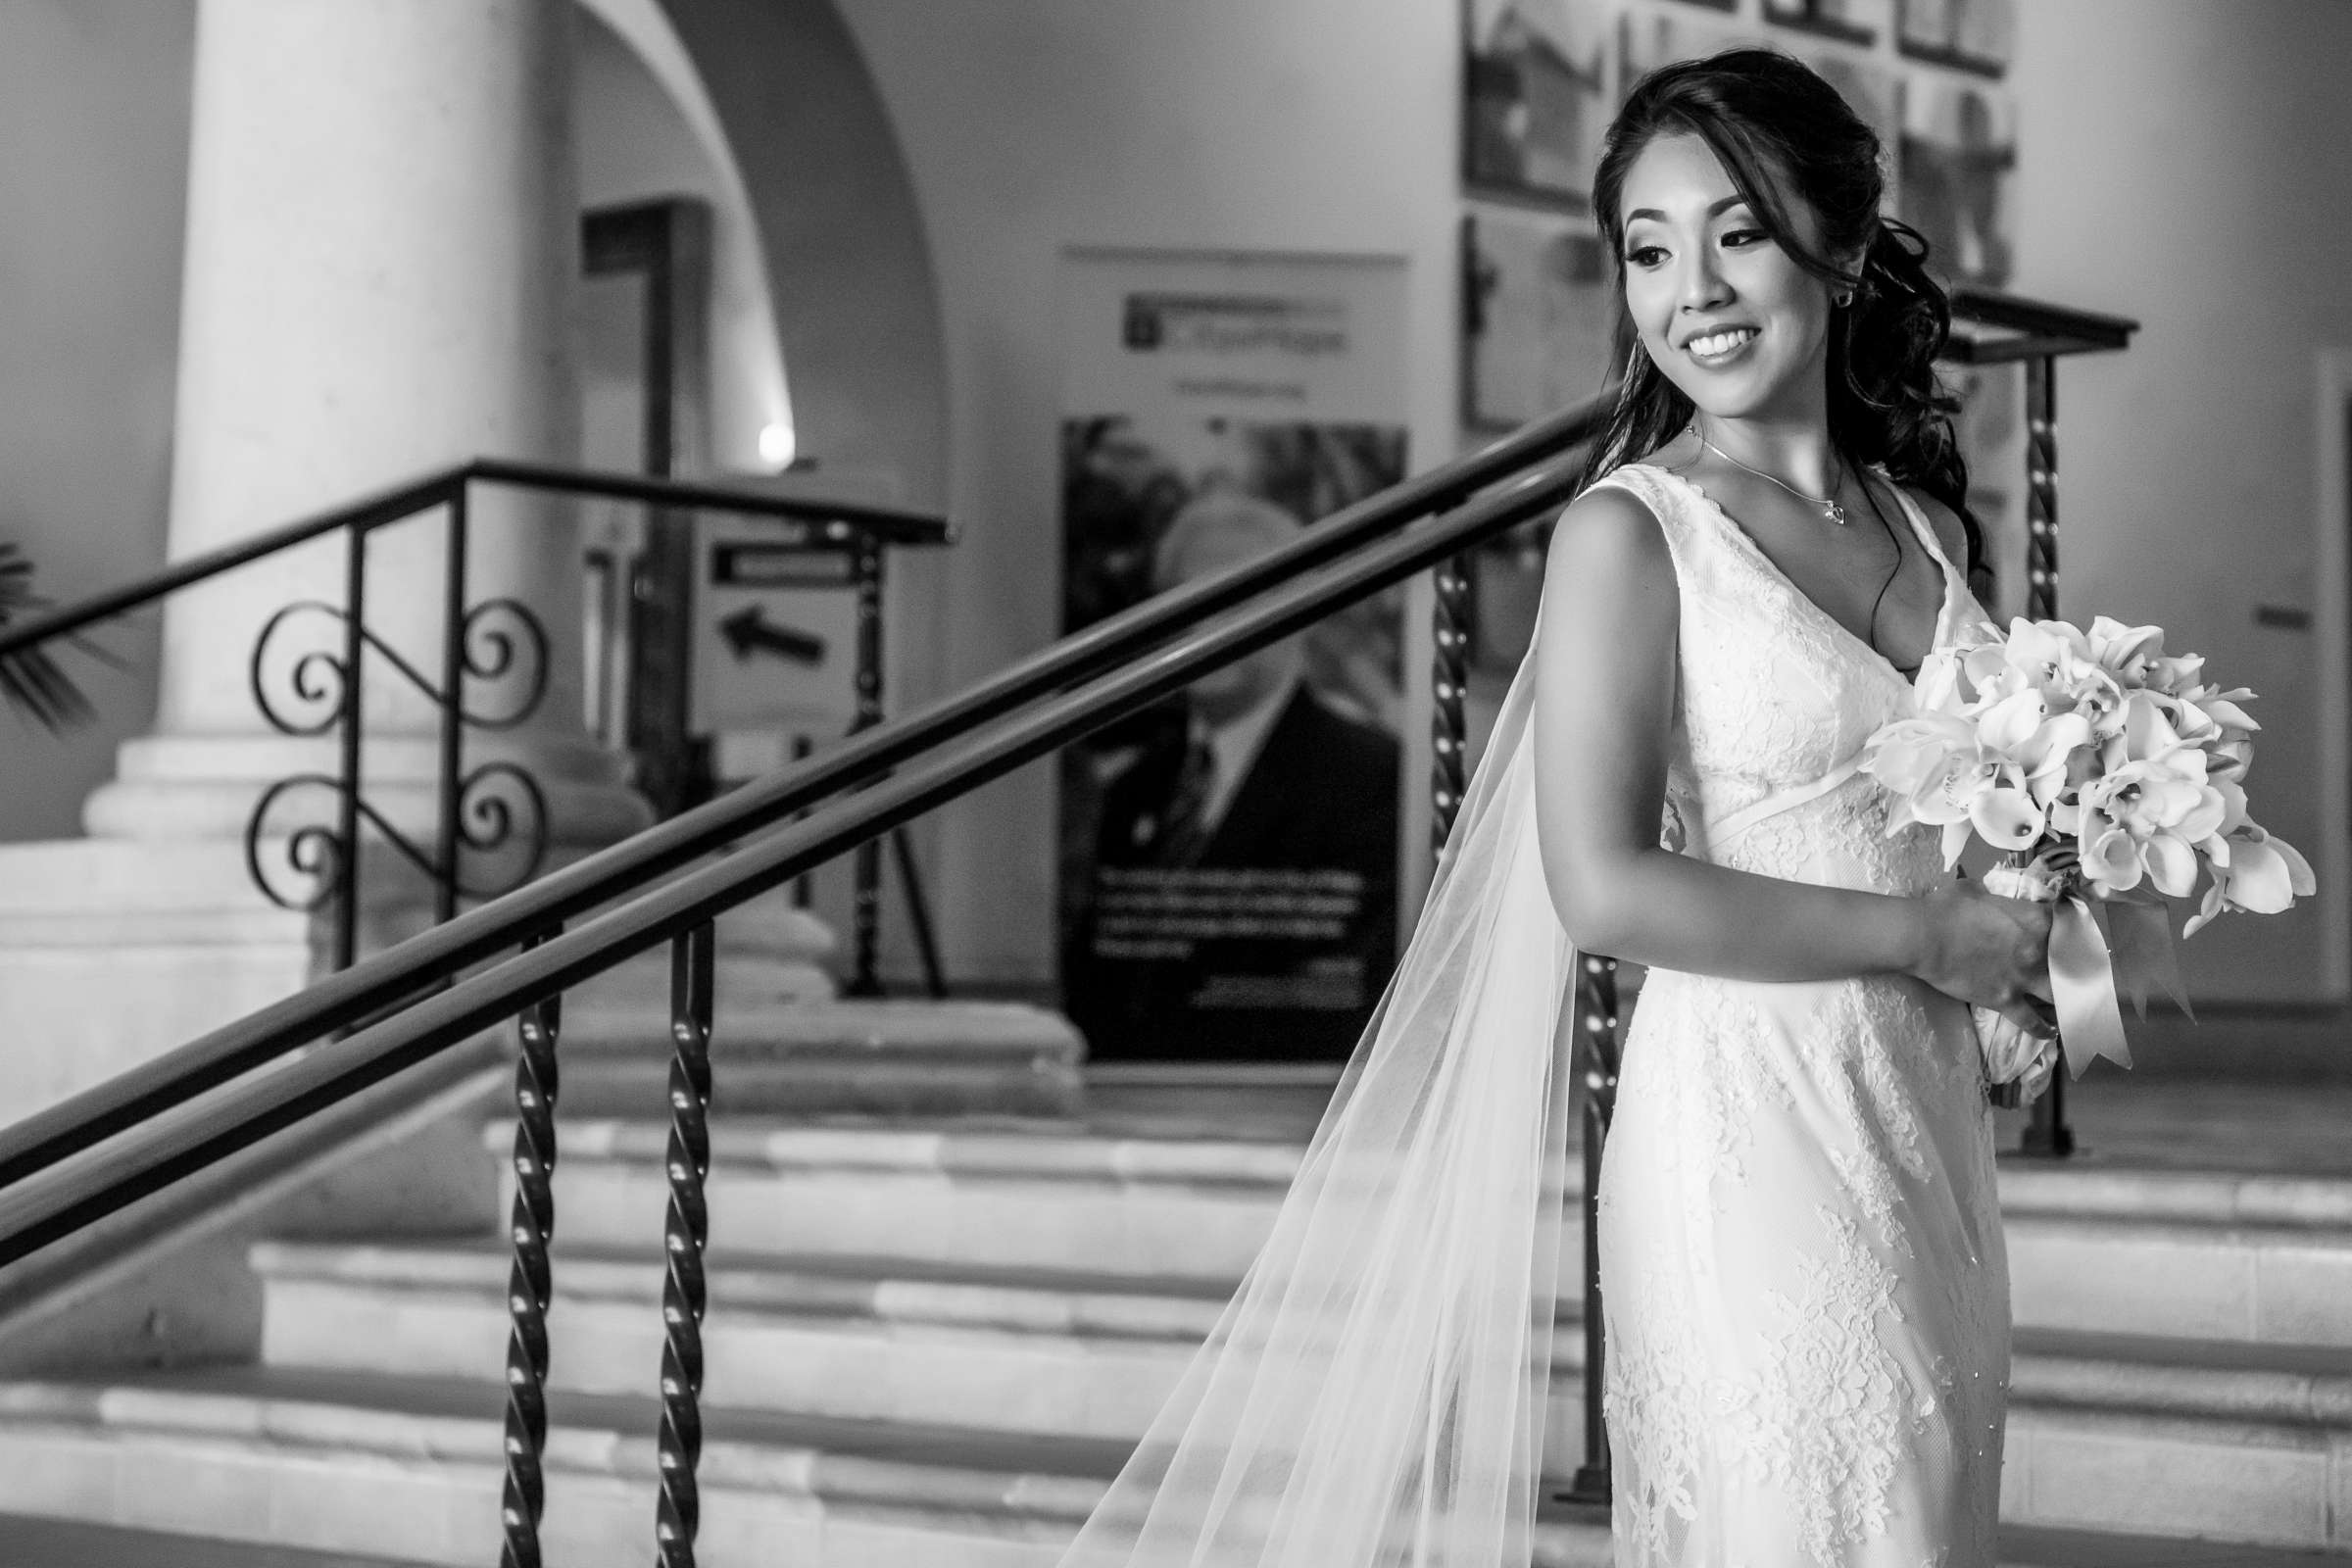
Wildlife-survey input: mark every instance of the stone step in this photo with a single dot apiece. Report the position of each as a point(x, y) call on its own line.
point(1040, 1194)
point(27, 1542)
point(1074, 1356)
point(2249, 1441)
point(2230, 1441)
point(780, 1053)
point(1022, 1351)
point(2250, 1258)
point(408, 1470)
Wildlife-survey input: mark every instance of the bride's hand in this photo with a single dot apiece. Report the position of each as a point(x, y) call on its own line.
point(1989, 952)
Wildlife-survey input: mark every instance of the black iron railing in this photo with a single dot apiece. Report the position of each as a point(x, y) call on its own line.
point(416, 1000)
point(495, 813)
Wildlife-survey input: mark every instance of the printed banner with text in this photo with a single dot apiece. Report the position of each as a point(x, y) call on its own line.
point(1229, 858)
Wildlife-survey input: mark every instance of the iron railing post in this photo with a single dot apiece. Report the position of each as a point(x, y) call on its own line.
point(865, 910)
point(347, 780)
point(918, 913)
point(2047, 1132)
point(1594, 1040)
point(685, 1234)
point(1449, 680)
point(530, 1281)
point(452, 708)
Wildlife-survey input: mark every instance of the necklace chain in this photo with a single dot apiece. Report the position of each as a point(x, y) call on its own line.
point(1831, 507)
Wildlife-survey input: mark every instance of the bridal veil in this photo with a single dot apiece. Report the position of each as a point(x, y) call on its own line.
point(1375, 1392)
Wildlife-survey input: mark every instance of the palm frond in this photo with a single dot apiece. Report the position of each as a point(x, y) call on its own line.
point(33, 681)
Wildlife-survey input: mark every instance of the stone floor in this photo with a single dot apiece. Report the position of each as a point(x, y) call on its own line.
point(2280, 1128)
point(2121, 1119)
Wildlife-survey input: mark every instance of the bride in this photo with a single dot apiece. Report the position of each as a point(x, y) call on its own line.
point(1805, 1286)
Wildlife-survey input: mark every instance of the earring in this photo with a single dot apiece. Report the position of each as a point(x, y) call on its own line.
point(1842, 298)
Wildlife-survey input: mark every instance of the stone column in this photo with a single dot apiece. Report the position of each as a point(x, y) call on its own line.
point(381, 254)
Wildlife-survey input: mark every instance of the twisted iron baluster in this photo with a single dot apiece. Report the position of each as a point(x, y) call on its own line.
point(685, 1234)
point(866, 909)
point(1596, 1040)
point(530, 1281)
point(2047, 1132)
point(1449, 679)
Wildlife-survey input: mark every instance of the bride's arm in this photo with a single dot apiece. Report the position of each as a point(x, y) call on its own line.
point(1603, 709)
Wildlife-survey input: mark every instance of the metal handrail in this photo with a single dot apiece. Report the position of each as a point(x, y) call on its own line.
point(377, 982)
point(405, 500)
point(153, 1154)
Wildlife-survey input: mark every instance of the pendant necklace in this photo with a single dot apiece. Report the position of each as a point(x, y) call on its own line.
point(1829, 506)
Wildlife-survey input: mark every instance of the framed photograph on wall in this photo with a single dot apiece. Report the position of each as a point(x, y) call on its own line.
point(1537, 324)
point(1535, 97)
point(1651, 39)
point(1857, 22)
point(1979, 35)
point(1958, 158)
point(1875, 91)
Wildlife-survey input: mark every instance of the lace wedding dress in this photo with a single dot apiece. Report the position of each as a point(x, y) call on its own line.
point(1803, 1277)
point(1802, 1258)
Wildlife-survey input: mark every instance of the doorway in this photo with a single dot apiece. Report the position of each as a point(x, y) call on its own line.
point(645, 392)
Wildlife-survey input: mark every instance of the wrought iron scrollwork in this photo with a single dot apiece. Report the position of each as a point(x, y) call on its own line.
point(318, 678)
point(500, 644)
point(497, 634)
point(501, 811)
point(313, 851)
point(497, 821)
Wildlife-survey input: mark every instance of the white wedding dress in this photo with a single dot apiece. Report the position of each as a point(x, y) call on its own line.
point(1801, 1261)
point(1803, 1278)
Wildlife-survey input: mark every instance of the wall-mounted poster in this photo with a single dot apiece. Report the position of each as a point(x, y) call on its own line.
point(1979, 35)
point(1853, 21)
point(1228, 858)
point(1535, 96)
point(1538, 321)
point(1959, 148)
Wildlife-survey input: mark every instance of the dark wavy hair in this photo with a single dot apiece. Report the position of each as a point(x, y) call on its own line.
point(1776, 125)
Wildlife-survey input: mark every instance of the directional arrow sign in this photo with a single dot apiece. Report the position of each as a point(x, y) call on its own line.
point(749, 629)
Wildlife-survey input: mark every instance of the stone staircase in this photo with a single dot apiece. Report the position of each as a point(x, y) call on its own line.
point(932, 1341)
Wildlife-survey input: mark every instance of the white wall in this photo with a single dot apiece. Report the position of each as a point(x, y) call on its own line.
point(637, 142)
point(1032, 125)
point(2189, 164)
point(93, 178)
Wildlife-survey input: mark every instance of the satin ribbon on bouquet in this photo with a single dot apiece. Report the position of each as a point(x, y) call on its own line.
point(2086, 965)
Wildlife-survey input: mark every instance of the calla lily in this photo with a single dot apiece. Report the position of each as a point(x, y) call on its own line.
point(2172, 864)
point(2006, 816)
point(2110, 861)
point(2266, 874)
point(2125, 652)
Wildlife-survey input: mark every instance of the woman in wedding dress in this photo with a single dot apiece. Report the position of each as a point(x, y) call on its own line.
point(1805, 1291)
point(1802, 1270)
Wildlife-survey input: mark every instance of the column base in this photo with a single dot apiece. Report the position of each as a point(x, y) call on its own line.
point(111, 952)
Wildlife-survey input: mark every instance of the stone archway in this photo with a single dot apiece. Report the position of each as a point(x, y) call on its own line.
point(777, 90)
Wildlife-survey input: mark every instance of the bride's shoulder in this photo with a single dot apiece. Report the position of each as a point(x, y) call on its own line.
point(1613, 534)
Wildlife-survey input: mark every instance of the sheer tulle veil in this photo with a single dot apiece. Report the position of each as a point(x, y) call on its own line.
point(1375, 1392)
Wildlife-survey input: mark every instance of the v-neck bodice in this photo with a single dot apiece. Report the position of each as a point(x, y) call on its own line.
point(1954, 590)
point(1773, 699)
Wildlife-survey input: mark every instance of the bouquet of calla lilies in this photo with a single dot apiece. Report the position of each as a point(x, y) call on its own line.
point(2111, 775)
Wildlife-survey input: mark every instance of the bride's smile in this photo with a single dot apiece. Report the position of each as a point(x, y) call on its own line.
point(1734, 322)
